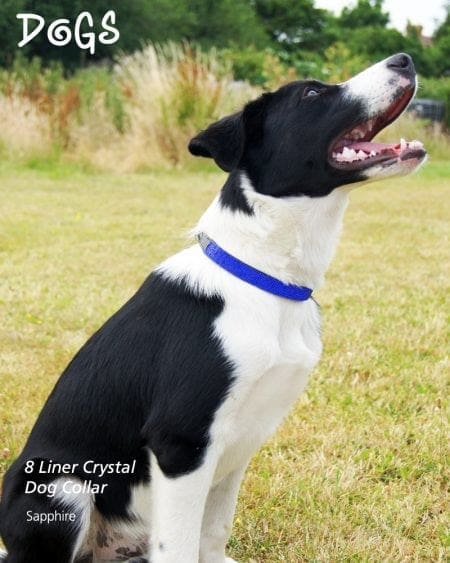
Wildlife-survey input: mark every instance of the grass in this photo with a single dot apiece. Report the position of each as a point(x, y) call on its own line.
point(359, 470)
point(136, 116)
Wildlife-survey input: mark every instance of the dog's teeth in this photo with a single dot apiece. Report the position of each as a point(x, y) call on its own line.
point(415, 145)
point(349, 154)
point(403, 144)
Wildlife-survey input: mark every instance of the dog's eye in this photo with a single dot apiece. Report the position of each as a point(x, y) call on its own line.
point(311, 91)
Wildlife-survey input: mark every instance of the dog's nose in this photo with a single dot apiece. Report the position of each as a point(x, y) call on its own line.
point(402, 63)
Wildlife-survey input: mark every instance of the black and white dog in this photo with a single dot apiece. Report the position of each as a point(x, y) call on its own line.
point(141, 446)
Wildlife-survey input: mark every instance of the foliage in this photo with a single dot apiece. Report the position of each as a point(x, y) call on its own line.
point(294, 24)
point(375, 42)
point(262, 68)
point(436, 89)
point(9, 29)
point(441, 47)
point(295, 31)
point(366, 13)
point(220, 23)
point(341, 64)
point(208, 23)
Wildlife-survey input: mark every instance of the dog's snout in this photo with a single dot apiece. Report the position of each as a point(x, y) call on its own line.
point(401, 62)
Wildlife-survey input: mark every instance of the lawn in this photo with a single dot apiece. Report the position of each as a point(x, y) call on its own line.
point(359, 470)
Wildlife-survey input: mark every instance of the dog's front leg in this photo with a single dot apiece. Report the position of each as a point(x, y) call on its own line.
point(178, 504)
point(218, 518)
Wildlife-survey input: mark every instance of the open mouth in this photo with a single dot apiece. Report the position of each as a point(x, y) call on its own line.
point(354, 149)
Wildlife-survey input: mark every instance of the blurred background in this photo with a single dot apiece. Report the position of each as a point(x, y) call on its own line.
point(180, 64)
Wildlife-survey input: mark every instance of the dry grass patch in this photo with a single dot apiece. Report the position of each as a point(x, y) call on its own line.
point(359, 470)
point(135, 116)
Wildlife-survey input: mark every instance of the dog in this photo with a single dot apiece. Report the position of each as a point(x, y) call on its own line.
point(140, 449)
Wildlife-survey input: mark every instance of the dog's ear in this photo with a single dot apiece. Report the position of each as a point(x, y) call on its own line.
point(223, 141)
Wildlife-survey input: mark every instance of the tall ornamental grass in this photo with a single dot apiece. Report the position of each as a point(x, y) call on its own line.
point(169, 94)
point(137, 115)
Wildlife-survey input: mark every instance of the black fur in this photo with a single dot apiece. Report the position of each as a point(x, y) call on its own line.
point(134, 385)
point(222, 141)
point(281, 140)
point(233, 197)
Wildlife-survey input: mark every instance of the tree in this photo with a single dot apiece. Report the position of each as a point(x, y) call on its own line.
point(220, 23)
point(366, 13)
point(413, 44)
point(295, 24)
point(441, 46)
point(376, 42)
point(8, 29)
point(207, 22)
point(365, 26)
point(444, 29)
point(133, 19)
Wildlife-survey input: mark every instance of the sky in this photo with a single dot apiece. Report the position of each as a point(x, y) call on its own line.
point(428, 13)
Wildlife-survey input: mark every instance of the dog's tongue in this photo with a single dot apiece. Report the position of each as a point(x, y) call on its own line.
point(377, 147)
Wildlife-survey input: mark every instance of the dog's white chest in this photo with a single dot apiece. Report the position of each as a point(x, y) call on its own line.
point(274, 349)
point(257, 418)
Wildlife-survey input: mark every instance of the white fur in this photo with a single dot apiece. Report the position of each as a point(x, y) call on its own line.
point(273, 342)
point(375, 86)
point(218, 517)
point(81, 504)
point(177, 512)
point(399, 168)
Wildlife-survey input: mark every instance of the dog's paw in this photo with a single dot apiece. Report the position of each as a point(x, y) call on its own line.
point(229, 560)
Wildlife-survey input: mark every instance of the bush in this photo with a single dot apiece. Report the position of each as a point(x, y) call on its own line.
point(340, 64)
point(436, 89)
point(262, 68)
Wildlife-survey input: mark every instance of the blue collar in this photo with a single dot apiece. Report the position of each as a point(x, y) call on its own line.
point(249, 274)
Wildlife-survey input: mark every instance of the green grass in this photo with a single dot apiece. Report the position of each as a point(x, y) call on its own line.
point(359, 470)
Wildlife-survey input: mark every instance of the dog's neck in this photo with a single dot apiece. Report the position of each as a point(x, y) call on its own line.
point(292, 239)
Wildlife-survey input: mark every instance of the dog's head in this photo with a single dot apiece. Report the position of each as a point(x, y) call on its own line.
point(308, 138)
